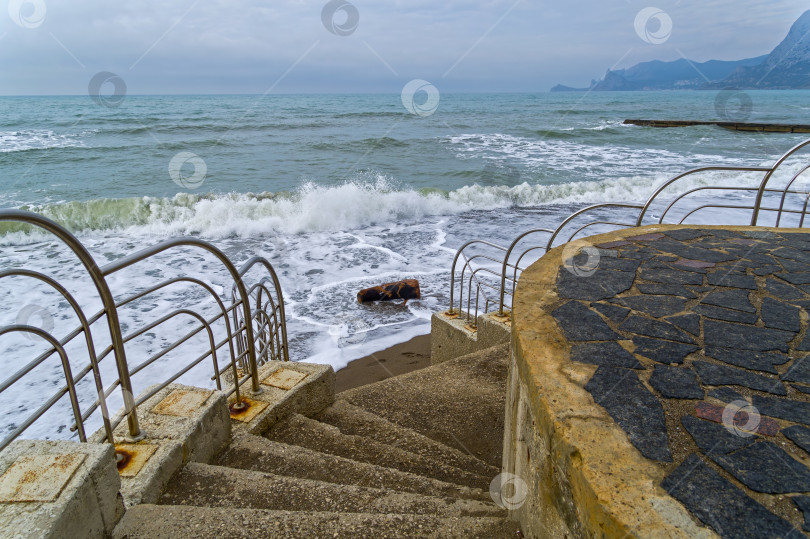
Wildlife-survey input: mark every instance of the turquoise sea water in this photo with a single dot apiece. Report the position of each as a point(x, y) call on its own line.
point(339, 192)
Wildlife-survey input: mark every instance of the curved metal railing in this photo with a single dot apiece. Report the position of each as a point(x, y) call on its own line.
point(225, 333)
point(630, 215)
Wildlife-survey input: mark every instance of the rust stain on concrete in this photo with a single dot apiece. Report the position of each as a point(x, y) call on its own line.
point(38, 478)
point(131, 458)
point(285, 379)
point(251, 410)
point(182, 402)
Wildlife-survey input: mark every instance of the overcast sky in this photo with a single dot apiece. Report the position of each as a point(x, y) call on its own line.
point(284, 46)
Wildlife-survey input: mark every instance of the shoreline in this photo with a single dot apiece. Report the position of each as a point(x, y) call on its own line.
point(401, 358)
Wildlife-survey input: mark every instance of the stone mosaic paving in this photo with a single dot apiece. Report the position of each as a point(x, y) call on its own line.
point(701, 342)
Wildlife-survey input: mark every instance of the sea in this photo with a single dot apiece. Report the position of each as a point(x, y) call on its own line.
point(338, 192)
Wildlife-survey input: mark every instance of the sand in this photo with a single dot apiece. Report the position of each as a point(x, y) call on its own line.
point(399, 359)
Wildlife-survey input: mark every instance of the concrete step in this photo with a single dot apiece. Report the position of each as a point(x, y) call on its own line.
point(351, 419)
point(262, 455)
point(301, 431)
point(204, 485)
point(180, 522)
point(459, 403)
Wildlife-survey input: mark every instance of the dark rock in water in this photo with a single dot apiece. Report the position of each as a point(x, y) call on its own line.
point(406, 289)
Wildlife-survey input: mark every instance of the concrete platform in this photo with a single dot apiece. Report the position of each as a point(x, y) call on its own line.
point(666, 392)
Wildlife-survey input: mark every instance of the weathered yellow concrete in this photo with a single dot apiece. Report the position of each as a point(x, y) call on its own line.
point(584, 477)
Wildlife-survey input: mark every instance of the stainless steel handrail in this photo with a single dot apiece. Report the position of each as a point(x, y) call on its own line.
point(277, 284)
point(85, 327)
point(269, 313)
point(70, 388)
point(105, 295)
point(143, 254)
point(643, 209)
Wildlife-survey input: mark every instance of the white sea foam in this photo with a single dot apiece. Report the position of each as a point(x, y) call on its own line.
point(314, 208)
point(38, 139)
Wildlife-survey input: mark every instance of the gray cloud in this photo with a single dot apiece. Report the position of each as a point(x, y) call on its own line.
point(214, 46)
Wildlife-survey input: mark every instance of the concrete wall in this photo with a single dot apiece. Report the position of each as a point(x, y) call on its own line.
point(451, 336)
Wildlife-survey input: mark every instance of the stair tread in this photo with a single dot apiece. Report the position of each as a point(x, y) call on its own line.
point(305, 432)
point(459, 403)
point(351, 419)
point(183, 522)
point(257, 453)
point(217, 486)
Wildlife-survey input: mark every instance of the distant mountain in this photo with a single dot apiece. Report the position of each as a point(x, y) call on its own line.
point(787, 66)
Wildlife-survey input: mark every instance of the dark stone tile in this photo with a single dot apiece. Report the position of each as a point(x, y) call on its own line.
point(803, 389)
point(790, 253)
point(666, 352)
point(692, 252)
point(728, 335)
point(579, 323)
point(614, 313)
point(765, 467)
point(687, 322)
point(798, 412)
point(722, 375)
point(613, 244)
point(676, 382)
point(618, 264)
point(758, 361)
point(634, 408)
point(767, 270)
point(725, 394)
point(782, 291)
point(638, 253)
point(798, 435)
point(793, 265)
point(656, 306)
point(714, 438)
point(670, 276)
point(721, 505)
point(735, 280)
point(666, 290)
point(609, 354)
point(804, 346)
point(803, 503)
point(593, 287)
point(724, 234)
point(730, 299)
point(799, 371)
point(729, 315)
point(776, 314)
point(796, 278)
point(796, 241)
point(697, 266)
point(761, 235)
point(686, 234)
point(654, 328)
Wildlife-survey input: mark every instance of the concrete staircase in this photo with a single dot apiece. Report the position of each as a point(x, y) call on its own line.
point(411, 456)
